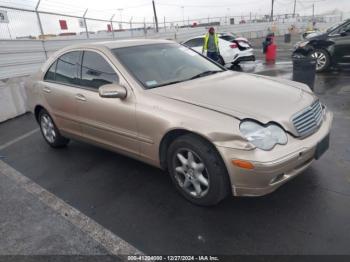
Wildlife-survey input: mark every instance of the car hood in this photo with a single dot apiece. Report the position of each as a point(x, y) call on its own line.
point(243, 96)
point(317, 36)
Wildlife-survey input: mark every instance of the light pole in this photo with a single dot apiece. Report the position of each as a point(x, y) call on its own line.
point(295, 4)
point(155, 16)
point(272, 4)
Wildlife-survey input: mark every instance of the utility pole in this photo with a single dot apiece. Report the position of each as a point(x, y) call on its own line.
point(313, 10)
point(272, 4)
point(295, 4)
point(155, 16)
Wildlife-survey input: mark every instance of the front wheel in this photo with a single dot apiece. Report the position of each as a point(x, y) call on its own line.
point(197, 170)
point(50, 132)
point(323, 60)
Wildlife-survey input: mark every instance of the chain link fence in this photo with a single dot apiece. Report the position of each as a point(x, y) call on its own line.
point(29, 36)
point(20, 23)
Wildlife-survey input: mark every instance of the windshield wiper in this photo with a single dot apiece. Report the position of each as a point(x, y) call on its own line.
point(168, 83)
point(206, 73)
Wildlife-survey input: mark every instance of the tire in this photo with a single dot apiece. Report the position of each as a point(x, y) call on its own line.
point(49, 130)
point(208, 167)
point(323, 60)
point(221, 61)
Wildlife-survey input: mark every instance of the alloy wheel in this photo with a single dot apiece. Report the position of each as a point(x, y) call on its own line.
point(321, 59)
point(190, 173)
point(48, 128)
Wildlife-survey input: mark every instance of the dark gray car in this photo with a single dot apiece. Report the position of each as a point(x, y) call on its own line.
point(331, 48)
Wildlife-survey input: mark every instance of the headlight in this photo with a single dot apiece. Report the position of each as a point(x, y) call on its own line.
point(263, 137)
point(303, 44)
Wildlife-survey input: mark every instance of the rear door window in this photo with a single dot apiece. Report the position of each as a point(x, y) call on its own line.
point(96, 71)
point(50, 74)
point(66, 69)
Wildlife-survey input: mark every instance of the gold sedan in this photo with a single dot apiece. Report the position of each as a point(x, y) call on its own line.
point(217, 132)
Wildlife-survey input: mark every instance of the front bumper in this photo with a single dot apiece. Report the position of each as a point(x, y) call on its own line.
point(245, 59)
point(273, 168)
point(303, 51)
point(246, 55)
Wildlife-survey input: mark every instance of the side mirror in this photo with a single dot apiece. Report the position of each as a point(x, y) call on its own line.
point(344, 33)
point(112, 91)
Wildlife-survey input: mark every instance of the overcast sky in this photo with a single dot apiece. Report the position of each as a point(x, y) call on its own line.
point(176, 10)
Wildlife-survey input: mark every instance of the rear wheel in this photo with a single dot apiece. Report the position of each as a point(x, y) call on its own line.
point(50, 132)
point(323, 60)
point(197, 170)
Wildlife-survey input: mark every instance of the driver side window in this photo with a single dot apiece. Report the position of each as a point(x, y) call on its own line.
point(96, 71)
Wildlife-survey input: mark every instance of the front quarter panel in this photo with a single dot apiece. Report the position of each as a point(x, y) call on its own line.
point(157, 115)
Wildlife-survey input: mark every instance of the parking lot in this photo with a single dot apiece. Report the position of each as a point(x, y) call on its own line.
point(138, 203)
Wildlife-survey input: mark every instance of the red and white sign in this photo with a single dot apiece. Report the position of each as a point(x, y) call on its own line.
point(109, 27)
point(63, 24)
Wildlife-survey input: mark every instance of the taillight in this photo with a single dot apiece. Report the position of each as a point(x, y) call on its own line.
point(234, 45)
point(240, 42)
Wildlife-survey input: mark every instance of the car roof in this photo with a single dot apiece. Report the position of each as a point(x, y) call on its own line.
point(121, 43)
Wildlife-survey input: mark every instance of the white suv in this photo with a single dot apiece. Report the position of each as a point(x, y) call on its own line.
point(230, 52)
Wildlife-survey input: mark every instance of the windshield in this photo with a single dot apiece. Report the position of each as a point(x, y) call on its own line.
point(334, 26)
point(229, 38)
point(311, 35)
point(162, 64)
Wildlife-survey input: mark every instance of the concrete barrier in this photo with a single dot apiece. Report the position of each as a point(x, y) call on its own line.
point(13, 98)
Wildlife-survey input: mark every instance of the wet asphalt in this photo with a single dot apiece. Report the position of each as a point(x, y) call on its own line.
point(308, 215)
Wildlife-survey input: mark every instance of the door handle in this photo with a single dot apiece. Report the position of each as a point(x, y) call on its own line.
point(80, 97)
point(47, 90)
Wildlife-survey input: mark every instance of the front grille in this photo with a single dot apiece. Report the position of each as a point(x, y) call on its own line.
point(308, 120)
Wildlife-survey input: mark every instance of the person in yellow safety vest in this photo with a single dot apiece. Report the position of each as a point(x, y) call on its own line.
point(211, 45)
